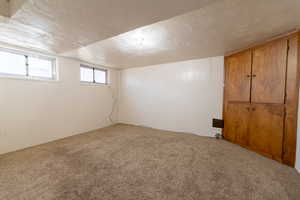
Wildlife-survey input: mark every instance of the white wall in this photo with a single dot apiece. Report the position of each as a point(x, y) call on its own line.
point(182, 96)
point(35, 112)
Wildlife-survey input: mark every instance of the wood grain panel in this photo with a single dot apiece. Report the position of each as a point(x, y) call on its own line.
point(266, 129)
point(292, 93)
point(269, 72)
point(276, 64)
point(238, 75)
point(237, 122)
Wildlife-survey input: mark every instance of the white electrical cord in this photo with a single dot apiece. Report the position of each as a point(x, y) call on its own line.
point(115, 101)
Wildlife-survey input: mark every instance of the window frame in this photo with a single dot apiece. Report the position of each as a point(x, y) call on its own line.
point(53, 61)
point(94, 69)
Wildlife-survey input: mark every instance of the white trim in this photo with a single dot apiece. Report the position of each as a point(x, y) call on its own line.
point(28, 53)
point(52, 54)
point(26, 78)
point(83, 83)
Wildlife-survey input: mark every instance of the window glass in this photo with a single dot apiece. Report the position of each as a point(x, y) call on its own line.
point(14, 64)
point(40, 67)
point(93, 75)
point(86, 74)
point(100, 76)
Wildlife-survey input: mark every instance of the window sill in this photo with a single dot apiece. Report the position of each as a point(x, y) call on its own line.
point(93, 84)
point(25, 78)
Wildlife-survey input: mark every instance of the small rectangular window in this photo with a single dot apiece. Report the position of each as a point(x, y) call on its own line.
point(18, 64)
point(13, 64)
point(86, 74)
point(40, 67)
point(100, 76)
point(93, 75)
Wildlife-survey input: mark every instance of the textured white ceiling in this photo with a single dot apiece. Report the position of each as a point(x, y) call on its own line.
point(61, 25)
point(212, 30)
point(133, 33)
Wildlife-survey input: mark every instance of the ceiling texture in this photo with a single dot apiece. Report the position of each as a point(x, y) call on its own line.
point(134, 33)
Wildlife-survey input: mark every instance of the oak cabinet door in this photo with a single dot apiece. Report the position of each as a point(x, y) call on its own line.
point(237, 122)
point(238, 76)
point(266, 129)
point(269, 72)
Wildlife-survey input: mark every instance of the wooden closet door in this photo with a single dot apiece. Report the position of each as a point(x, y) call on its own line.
point(236, 123)
point(266, 129)
point(237, 77)
point(269, 72)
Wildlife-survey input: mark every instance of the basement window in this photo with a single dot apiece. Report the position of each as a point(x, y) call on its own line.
point(93, 75)
point(21, 65)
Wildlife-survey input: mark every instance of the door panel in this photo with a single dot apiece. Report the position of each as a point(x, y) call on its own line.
point(236, 123)
point(266, 129)
point(237, 75)
point(269, 72)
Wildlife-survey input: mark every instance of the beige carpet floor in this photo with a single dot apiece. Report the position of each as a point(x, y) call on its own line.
point(125, 162)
